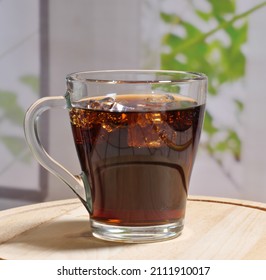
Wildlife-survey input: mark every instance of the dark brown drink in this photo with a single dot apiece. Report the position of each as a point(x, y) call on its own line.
point(137, 152)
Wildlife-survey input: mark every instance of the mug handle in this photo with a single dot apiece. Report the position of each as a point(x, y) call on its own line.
point(78, 183)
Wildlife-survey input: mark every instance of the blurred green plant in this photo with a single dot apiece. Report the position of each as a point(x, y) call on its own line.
point(12, 115)
point(223, 63)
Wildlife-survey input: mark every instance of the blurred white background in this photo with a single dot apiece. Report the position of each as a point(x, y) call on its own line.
point(43, 41)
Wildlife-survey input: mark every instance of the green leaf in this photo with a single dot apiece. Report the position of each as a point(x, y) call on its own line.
point(221, 8)
point(239, 105)
point(221, 146)
point(14, 144)
point(238, 37)
point(31, 81)
point(172, 40)
point(17, 147)
point(203, 15)
point(168, 62)
point(11, 110)
point(170, 18)
point(234, 143)
point(7, 98)
point(231, 143)
point(191, 30)
point(208, 124)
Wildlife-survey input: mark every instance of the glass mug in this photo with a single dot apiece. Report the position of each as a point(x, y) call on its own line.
point(136, 134)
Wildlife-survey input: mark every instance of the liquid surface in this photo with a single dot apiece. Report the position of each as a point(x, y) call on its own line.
point(138, 153)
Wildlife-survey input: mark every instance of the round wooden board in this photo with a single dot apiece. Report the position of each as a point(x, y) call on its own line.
point(214, 229)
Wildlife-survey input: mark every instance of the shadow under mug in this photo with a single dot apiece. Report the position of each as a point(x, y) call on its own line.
point(136, 134)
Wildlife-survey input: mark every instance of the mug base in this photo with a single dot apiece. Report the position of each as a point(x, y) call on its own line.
point(146, 234)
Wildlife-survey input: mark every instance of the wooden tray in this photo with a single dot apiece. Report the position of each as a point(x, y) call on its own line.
point(214, 229)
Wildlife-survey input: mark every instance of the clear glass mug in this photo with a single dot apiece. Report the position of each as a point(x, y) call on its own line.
point(136, 134)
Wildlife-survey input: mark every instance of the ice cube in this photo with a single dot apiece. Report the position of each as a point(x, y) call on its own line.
point(155, 118)
point(101, 104)
point(160, 98)
point(109, 104)
point(93, 104)
point(157, 102)
point(121, 106)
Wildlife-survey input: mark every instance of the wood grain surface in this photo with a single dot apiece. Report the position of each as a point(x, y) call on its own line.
point(214, 229)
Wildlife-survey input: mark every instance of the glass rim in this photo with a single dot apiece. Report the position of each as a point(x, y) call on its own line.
point(171, 76)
